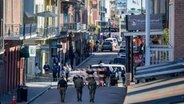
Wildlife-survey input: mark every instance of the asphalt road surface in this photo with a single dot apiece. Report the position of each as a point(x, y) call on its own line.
point(105, 57)
point(104, 95)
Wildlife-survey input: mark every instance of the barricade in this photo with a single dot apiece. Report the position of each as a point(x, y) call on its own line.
point(86, 73)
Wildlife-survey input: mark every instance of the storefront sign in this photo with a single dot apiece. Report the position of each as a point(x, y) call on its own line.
point(137, 22)
point(32, 51)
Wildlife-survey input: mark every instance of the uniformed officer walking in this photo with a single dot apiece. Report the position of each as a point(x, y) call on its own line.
point(79, 84)
point(62, 86)
point(92, 88)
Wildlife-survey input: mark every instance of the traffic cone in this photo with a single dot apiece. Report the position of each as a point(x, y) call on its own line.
point(14, 100)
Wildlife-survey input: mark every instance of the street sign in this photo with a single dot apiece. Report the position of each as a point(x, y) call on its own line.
point(137, 22)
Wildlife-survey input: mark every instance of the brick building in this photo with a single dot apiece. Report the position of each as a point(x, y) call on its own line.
point(176, 10)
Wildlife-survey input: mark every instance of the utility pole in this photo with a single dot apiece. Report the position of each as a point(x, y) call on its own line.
point(147, 55)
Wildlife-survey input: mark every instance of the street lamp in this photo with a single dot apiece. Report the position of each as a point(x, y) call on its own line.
point(147, 61)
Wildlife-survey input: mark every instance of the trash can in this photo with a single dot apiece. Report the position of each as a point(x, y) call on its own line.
point(19, 94)
point(24, 93)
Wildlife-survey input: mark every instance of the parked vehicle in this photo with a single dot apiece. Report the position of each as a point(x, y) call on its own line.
point(107, 46)
point(111, 67)
point(113, 41)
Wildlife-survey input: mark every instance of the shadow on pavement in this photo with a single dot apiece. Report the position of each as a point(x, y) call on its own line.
point(166, 100)
point(156, 88)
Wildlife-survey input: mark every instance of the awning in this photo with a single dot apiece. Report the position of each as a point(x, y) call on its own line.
point(46, 14)
point(28, 15)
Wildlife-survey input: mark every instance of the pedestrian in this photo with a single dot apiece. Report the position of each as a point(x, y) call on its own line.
point(79, 84)
point(123, 76)
point(107, 77)
point(37, 70)
point(54, 71)
point(92, 88)
point(62, 86)
point(46, 68)
point(67, 71)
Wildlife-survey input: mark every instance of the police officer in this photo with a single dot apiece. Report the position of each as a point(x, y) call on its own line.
point(79, 84)
point(92, 88)
point(62, 86)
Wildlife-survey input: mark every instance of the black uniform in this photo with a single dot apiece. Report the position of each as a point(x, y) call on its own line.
point(62, 86)
point(92, 88)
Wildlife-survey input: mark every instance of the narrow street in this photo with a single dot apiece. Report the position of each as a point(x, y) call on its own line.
point(105, 57)
point(104, 95)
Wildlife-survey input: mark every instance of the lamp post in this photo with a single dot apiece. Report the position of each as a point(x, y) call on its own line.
point(147, 55)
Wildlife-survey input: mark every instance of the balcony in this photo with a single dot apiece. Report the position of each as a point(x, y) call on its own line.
point(160, 54)
point(47, 32)
point(73, 27)
point(19, 32)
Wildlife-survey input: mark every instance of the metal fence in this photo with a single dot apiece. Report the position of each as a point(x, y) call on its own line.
point(19, 30)
point(69, 26)
point(47, 31)
point(160, 54)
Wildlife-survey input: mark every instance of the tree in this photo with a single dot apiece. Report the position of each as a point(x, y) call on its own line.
point(166, 36)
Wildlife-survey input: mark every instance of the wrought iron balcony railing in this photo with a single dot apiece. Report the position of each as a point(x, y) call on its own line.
point(71, 26)
point(17, 30)
point(47, 31)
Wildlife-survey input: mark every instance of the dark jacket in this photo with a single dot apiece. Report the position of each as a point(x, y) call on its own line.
point(78, 83)
point(62, 84)
point(92, 84)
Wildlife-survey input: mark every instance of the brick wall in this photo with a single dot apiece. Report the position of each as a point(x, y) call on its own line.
point(179, 29)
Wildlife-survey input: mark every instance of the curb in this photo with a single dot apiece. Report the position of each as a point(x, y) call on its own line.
point(84, 61)
point(45, 90)
point(38, 95)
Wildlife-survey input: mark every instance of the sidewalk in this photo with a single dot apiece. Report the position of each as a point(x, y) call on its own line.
point(165, 91)
point(36, 87)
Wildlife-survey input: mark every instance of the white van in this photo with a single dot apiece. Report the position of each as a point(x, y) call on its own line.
point(113, 41)
point(111, 67)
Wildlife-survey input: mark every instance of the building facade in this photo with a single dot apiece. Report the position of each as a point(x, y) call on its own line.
point(176, 29)
point(12, 62)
